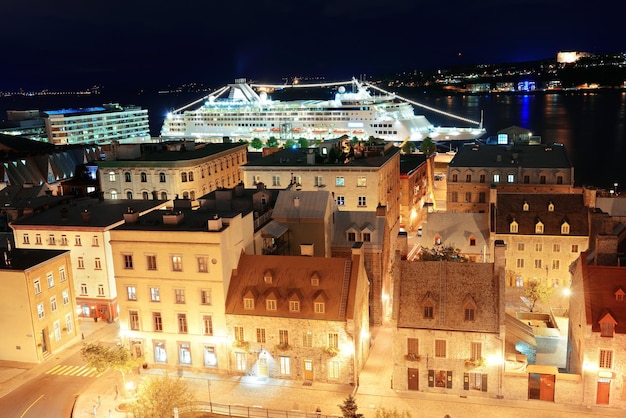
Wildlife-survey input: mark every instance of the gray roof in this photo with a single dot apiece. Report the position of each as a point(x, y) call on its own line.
point(20, 259)
point(148, 159)
point(506, 156)
point(359, 220)
point(456, 229)
point(301, 204)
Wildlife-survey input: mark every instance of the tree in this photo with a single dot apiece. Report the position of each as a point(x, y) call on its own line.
point(445, 253)
point(428, 147)
point(158, 396)
point(256, 143)
point(537, 292)
point(349, 408)
point(289, 143)
point(408, 147)
point(103, 358)
point(388, 413)
point(272, 142)
point(303, 142)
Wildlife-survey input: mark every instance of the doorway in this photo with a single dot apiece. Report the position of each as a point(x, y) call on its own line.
point(541, 386)
point(413, 379)
point(604, 388)
point(308, 369)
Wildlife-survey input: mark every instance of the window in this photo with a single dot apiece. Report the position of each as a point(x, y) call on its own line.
point(556, 264)
point(63, 239)
point(53, 303)
point(270, 304)
point(127, 177)
point(128, 261)
point(66, 297)
point(207, 324)
point(95, 242)
point(606, 359)
point(284, 365)
point(183, 177)
point(455, 178)
point(40, 311)
point(68, 323)
point(182, 323)
point(513, 227)
point(57, 330)
point(81, 263)
point(131, 292)
point(283, 337)
point(133, 320)
point(239, 334)
point(203, 264)
point(25, 239)
point(38, 239)
point(162, 177)
point(412, 346)
point(275, 180)
point(77, 241)
point(294, 306)
point(319, 181)
point(50, 279)
point(177, 263)
point(157, 321)
point(333, 369)
point(111, 175)
point(83, 288)
point(190, 176)
point(482, 178)
point(565, 228)
point(537, 263)
point(496, 178)
point(151, 262)
point(468, 197)
point(260, 335)
point(556, 248)
point(113, 195)
point(155, 294)
point(468, 178)
point(469, 313)
point(37, 286)
point(98, 263)
point(440, 348)
point(520, 263)
point(574, 248)
point(351, 236)
point(361, 181)
point(538, 247)
point(510, 178)
point(526, 179)
point(520, 246)
point(160, 354)
point(205, 296)
point(179, 295)
point(476, 350)
point(333, 340)
point(248, 303)
point(320, 307)
point(428, 311)
point(307, 339)
point(339, 181)
point(606, 329)
point(542, 180)
point(366, 236)
point(100, 290)
point(341, 200)
point(51, 239)
point(144, 177)
point(481, 197)
point(184, 353)
point(129, 195)
point(454, 197)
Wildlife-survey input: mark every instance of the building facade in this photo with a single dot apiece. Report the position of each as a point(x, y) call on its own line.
point(416, 182)
point(181, 170)
point(37, 308)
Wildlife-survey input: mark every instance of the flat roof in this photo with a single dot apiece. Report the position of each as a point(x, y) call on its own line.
point(22, 259)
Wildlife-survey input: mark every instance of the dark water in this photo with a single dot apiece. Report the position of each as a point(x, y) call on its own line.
point(592, 126)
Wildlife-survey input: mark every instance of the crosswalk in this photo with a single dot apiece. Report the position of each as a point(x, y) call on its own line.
point(79, 371)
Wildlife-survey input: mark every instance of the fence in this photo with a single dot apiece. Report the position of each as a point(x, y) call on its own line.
point(251, 411)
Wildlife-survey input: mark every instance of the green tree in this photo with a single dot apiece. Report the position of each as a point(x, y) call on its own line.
point(408, 147)
point(537, 292)
point(388, 413)
point(289, 143)
point(349, 408)
point(303, 142)
point(256, 143)
point(103, 358)
point(428, 147)
point(158, 396)
point(445, 253)
point(272, 142)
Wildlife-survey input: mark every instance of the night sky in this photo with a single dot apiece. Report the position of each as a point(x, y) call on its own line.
point(131, 43)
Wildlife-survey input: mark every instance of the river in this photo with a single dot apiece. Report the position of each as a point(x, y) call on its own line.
point(592, 125)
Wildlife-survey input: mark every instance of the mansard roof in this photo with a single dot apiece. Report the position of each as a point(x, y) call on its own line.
point(512, 156)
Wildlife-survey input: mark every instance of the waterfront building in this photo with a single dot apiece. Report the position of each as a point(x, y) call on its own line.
point(166, 171)
point(449, 327)
point(544, 232)
point(82, 227)
point(477, 169)
point(101, 124)
point(597, 309)
point(172, 271)
point(299, 317)
point(37, 306)
point(416, 182)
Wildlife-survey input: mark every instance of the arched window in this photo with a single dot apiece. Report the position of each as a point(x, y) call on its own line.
point(192, 195)
point(565, 228)
point(183, 177)
point(190, 176)
point(144, 177)
point(162, 177)
point(144, 195)
point(129, 195)
point(513, 227)
point(539, 227)
point(163, 195)
point(185, 195)
point(113, 195)
point(127, 177)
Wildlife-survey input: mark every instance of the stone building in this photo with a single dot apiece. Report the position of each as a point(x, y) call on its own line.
point(416, 182)
point(449, 327)
point(37, 306)
point(299, 318)
point(166, 171)
point(514, 168)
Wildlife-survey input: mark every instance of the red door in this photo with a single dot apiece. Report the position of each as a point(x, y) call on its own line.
point(413, 378)
point(604, 387)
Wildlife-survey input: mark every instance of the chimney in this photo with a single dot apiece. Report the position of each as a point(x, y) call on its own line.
point(499, 250)
point(173, 218)
point(296, 202)
point(215, 224)
point(131, 217)
point(310, 157)
point(307, 249)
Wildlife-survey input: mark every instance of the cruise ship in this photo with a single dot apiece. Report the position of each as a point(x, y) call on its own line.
point(248, 112)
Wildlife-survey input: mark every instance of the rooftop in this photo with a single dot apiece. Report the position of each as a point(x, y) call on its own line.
point(20, 259)
point(518, 155)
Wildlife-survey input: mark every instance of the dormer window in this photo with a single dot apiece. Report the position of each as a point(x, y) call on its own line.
point(351, 236)
point(565, 228)
point(525, 207)
point(248, 303)
point(469, 308)
point(550, 207)
point(619, 295)
point(472, 241)
point(607, 325)
point(428, 306)
point(315, 279)
point(320, 307)
point(539, 227)
point(270, 304)
point(513, 227)
point(319, 303)
point(294, 306)
point(267, 277)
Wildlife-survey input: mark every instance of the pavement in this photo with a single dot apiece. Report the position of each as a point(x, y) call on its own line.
point(374, 391)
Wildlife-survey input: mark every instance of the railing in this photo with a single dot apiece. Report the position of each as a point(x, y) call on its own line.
point(250, 411)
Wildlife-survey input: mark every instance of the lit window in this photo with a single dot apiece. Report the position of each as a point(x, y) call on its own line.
point(131, 292)
point(155, 294)
point(307, 339)
point(333, 340)
point(294, 306)
point(112, 176)
point(182, 323)
point(133, 320)
point(50, 279)
point(361, 181)
point(53, 303)
point(275, 180)
point(539, 228)
point(606, 359)
point(179, 295)
point(270, 304)
point(207, 324)
point(285, 368)
point(248, 303)
point(339, 181)
point(37, 285)
point(151, 262)
point(496, 178)
point(320, 307)
point(205, 296)
point(157, 321)
point(203, 264)
point(260, 335)
point(66, 297)
point(510, 178)
point(440, 348)
point(565, 228)
point(177, 263)
point(513, 227)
